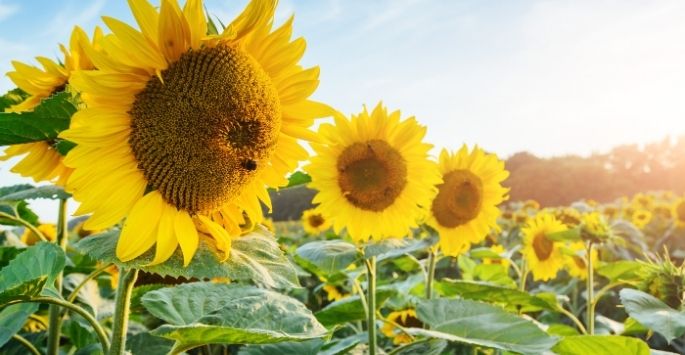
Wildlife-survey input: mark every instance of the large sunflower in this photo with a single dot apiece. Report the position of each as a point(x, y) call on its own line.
point(543, 255)
point(465, 208)
point(184, 130)
point(42, 161)
point(372, 174)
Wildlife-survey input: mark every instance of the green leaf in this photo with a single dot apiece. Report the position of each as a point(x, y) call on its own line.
point(601, 344)
point(561, 330)
point(13, 318)
point(350, 309)
point(567, 235)
point(255, 256)
point(30, 271)
point(343, 346)
point(16, 208)
point(653, 313)
point(309, 347)
point(51, 192)
point(394, 247)
point(298, 178)
point(78, 334)
point(507, 297)
point(622, 270)
point(330, 256)
point(44, 123)
point(423, 347)
point(481, 324)
point(208, 313)
point(9, 253)
point(64, 146)
point(12, 98)
point(148, 344)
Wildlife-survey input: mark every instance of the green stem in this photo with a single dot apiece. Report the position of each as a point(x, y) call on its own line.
point(27, 344)
point(127, 278)
point(26, 224)
point(524, 276)
point(54, 317)
point(590, 291)
point(573, 318)
point(102, 336)
point(371, 303)
point(430, 273)
point(83, 283)
point(358, 288)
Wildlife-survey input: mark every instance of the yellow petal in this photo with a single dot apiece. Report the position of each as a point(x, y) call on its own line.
point(138, 235)
point(166, 236)
point(187, 235)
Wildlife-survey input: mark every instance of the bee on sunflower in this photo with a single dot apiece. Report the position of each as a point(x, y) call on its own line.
point(41, 161)
point(314, 222)
point(373, 174)
point(184, 130)
point(465, 208)
point(543, 255)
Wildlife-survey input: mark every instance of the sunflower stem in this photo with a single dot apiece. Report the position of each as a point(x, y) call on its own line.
point(27, 344)
point(430, 273)
point(54, 317)
point(590, 291)
point(524, 276)
point(371, 303)
point(122, 309)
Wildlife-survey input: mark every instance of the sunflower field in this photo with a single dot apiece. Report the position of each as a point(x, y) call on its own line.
point(176, 135)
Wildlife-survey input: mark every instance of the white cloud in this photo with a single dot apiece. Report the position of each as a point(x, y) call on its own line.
point(7, 10)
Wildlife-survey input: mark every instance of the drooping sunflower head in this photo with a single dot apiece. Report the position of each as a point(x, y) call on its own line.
point(373, 174)
point(465, 208)
point(405, 318)
point(184, 130)
point(594, 227)
point(41, 161)
point(610, 211)
point(679, 213)
point(576, 260)
point(543, 255)
point(641, 218)
point(569, 216)
point(314, 222)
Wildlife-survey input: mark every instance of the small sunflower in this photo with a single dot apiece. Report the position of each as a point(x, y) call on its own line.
point(314, 222)
point(183, 130)
point(679, 213)
point(576, 264)
point(569, 216)
point(465, 208)
point(594, 226)
point(543, 256)
point(373, 174)
point(531, 205)
point(48, 230)
point(406, 319)
point(41, 161)
point(641, 218)
point(502, 260)
point(333, 293)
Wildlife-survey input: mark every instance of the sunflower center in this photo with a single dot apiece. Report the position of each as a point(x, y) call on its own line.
point(371, 175)
point(543, 247)
point(580, 262)
point(316, 220)
point(459, 199)
point(202, 134)
point(410, 322)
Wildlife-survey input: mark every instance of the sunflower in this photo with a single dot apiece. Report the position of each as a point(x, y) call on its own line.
point(679, 213)
point(594, 227)
point(465, 208)
point(576, 263)
point(183, 130)
point(543, 256)
point(502, 260)
point(49, 231)
point(41, 160)
point(641, 218)
point(314, 222)
point(569, 216)
point(373, 174)
point(406, 319)
point(333, 293)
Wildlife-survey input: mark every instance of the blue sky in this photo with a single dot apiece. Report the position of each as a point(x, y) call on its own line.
point(551, 77)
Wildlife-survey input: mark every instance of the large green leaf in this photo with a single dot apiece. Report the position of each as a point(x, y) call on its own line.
point(505, 296)
point(15, 207)
point(255, 256)
point(11, 98)
point(44, 123)
point(392, 248)
point(51, 192)
point(423, 347)
point(350, 309)
point(30, 271)
point(622, 270)
point(329, 256)
point(601, 344)
point(653, 313)
point(476, 323)
point(12, 319)
point(309, 347)
point(148, 344)
point(209, 313)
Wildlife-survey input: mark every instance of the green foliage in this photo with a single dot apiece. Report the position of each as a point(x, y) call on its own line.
point(653, 313)
point(30, 271)
point(50, 192)
point(476, 323)
point(12, 98)
point(14, 207)
point(622, 270)
point(329, 256)
point(208, 313)
point(12, 319)
point(44, 123)
point(509, 298)
point(423, 347)
point(392, 248)
point(601, 344)
point(254, 257)
point(148, 344)
point(350, 309)
point(298, 178)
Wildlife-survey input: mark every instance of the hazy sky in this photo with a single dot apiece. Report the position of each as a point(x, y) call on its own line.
point(551, 77)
